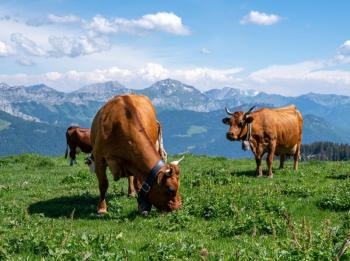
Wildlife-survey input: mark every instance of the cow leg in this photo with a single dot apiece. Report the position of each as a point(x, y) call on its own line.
point(258, 153)
point(296, 157)
point(102, 185)
point(131, 188)
point(72, 154)
point(258, 166)
point(282, 159)
point(269, 159)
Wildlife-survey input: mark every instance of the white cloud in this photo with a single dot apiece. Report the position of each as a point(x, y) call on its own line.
point(290, 71)
point(153, 72)
point(27, 45)
point(345, 48)
point(53, 19)
point(65, 19)
point(258, 18)
point(297, 79)
point(101, 25)
point(205, 51)
point(77, 46)
point(161, 21)
point(53, 76)
point(293, 79)
point(89, 37)
point(208, 77)
point(5, 49)
point(203, 78)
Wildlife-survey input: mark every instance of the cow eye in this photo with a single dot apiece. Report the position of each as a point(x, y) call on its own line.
point(240, 124)
point(170, 190)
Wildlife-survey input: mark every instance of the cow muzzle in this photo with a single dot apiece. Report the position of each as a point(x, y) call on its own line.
point(230, 136)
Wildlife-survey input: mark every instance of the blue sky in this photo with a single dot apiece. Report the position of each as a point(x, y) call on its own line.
point(280, 47)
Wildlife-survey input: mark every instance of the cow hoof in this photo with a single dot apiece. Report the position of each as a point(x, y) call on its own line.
point(101, 212)
point(132, 195)
point(144, 213)
point(270, 176)
point(259, 176)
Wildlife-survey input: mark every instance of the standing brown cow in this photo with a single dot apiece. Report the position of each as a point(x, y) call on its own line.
point(275, 131)
point(125, 137)
point(78, 139)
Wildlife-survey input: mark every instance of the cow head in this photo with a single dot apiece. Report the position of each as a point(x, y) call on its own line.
point(164, 194)
point(89, 161)
point(238, 122)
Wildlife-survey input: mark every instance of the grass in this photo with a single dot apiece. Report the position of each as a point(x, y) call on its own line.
point(48, 211)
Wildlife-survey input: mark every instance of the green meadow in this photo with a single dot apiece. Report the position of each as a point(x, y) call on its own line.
point(48, 212)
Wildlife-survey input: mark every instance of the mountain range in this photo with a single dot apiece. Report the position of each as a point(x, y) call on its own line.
point(191, 118)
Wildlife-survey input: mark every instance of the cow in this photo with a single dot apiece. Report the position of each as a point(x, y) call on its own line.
point(78, 139)
point(125, 137)
point(276, 131)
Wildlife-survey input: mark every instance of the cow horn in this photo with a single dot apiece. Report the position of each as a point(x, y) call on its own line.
point(228, 111)
point(168, 172)
point(176, 162)
point(250, 110)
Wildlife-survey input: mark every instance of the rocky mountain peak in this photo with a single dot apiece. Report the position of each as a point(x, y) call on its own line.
point(105, 87)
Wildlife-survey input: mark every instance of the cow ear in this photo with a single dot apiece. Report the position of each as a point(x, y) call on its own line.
point(226, 121)
point(249, 119)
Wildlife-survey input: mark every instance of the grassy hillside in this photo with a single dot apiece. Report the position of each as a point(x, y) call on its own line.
point(20, 136)
point(48, 210)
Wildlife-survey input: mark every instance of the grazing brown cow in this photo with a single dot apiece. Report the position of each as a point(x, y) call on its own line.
point(125, 137)
point(275, 131)
point(78, 139)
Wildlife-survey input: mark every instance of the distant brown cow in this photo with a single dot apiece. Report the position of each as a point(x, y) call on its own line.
point(125, 137)
point(275, 131)
point(78, 139)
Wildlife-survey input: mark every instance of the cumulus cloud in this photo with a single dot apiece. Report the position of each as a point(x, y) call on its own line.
point(27, 45)
point(345, 48)
point(258, 18)
point(161, 21)
point(101, 25)
point(290, 71)
point(53, 76)
point(65, 19)
point(58, 46)
point(202, 78)
point(89, 37)
point(54, 19)
point(296, 79)
point(76, 46)
point(153, 72)
point(5, 49)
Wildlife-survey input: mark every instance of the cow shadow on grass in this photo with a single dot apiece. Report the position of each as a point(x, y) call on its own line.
point(76, 207)
point(246, 173)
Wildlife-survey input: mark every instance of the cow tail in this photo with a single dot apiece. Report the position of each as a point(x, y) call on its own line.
point(66, 152)
point(162, 151)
